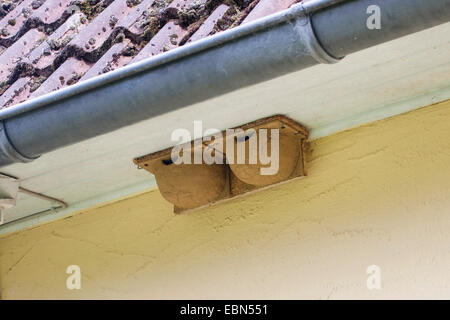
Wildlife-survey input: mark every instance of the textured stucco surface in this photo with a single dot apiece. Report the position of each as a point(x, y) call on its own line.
point(378, 194)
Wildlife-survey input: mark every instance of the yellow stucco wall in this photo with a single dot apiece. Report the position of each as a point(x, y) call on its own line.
point(378, 194)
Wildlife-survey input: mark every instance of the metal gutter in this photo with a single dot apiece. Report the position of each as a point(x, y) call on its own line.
point(248, 29)
point(318, 31)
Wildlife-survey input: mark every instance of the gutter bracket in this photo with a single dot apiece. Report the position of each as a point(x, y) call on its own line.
point(7, 149)
point(303, 26)
point(9, 189)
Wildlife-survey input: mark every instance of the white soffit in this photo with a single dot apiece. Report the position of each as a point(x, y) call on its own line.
point(377, 83)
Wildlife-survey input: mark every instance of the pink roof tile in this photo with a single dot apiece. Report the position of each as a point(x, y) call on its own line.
point(208, 25)
point(114, 58)
point(46, 45)
point(94, 35)
point(182, 4)
point(167, 38)
point(267, 7)
point(52, 11)
point(16, 93)
point(14, 54)
point(69, 72)
point(13, 21)
point(44, 55)
point(131, 21)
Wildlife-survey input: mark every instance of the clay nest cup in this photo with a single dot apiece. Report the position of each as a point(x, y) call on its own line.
point(251, 173)
point(189, 186)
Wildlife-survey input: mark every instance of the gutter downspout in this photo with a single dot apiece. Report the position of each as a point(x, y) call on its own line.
point(317, 31)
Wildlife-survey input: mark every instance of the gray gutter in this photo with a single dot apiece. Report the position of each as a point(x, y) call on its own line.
point(318, 31)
